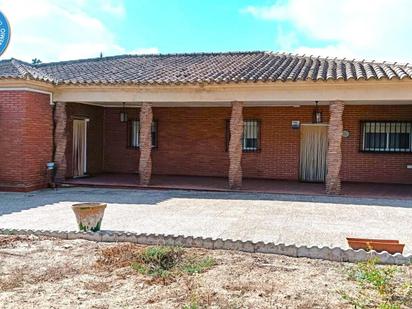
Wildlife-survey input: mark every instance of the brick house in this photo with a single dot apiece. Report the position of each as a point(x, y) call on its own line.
point(235, 115)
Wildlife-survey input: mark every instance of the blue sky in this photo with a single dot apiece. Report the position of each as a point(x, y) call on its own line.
point(53, 30)
point(190, 26)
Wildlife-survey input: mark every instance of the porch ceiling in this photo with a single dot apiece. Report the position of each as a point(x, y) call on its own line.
point(378, 92)
point(247, 103)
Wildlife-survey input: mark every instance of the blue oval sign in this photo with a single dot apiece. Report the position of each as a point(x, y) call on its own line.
point(4, 33)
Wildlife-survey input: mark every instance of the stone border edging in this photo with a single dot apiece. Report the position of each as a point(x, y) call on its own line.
point(324, 253)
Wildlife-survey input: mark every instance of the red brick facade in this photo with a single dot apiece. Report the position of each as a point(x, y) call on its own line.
point(373, 167)
point(191, 141)
point(26, 140)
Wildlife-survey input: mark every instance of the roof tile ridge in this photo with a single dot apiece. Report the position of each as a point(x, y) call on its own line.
point(125, 56)
point(20, 68)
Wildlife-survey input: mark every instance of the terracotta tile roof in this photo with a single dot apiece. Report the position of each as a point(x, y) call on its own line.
point(231, 67)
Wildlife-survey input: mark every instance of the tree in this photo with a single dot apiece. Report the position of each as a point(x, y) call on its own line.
point(35, 61)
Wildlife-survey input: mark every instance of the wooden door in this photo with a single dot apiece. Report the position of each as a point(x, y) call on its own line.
point(79, 147)
point(313, 150)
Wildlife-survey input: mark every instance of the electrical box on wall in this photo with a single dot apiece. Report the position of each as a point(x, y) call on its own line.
point(295, 124)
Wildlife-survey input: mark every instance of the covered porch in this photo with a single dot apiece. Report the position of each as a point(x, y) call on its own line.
point(233, 138)
point(255, 185)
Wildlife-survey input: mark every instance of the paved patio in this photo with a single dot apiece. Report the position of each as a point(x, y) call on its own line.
point(299, 219)
point(369, 190)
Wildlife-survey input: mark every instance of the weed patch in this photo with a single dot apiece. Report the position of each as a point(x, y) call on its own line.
point(197, 265)
point(158, 261)
point(161, 263)
point(378, 286)
point(166, 263)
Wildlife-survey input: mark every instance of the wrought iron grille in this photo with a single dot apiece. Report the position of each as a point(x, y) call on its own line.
point(133, 134)
point(386, 136)
point(250, 136)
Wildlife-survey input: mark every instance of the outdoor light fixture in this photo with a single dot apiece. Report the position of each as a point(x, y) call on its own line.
point(317, 114)
point(123, 114)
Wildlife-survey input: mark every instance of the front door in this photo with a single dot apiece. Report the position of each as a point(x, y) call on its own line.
point(313, 150)
point(79, 147)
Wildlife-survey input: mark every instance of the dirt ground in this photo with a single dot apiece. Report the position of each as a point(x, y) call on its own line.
point(51, 273)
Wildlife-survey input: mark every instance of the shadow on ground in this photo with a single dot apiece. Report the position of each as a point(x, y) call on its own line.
point(13, 202)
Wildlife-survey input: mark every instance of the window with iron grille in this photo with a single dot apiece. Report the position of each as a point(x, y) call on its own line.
point(134, 134)
point(386, 136)
point(250, 136)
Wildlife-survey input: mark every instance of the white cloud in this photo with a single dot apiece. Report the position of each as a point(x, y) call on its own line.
point(144, 51)
point(114, 8)
point(54, 30)
point(371, 29)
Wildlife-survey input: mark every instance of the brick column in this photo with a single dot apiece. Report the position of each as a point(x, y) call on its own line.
point(334, 156)
point(60, 140)
point(235, 146)
point(145, 144)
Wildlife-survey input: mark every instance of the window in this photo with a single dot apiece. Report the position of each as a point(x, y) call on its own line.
point(386, 136)
point(250, 137)
point(134, 131)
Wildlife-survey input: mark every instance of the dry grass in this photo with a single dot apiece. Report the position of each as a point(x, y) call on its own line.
point(97, 286)
point(159, 264)
point(117, 256)
point(45, 273)
point(12, 280)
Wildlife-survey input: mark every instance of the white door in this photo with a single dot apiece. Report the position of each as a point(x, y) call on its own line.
point(79, 147)
point(313, 150)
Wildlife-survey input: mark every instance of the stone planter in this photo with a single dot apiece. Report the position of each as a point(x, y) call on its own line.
point(89, 216)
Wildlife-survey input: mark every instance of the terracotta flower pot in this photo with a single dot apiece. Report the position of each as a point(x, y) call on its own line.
point(389, 245)
point(89, 216)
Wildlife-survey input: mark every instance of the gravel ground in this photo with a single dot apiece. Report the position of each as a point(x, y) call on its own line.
point(50, 273)
point(302, 220)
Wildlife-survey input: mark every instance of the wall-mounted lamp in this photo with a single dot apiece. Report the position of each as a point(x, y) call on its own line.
point(123, 114)
point(317, 114)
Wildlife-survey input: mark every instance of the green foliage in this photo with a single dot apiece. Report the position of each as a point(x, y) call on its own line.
point(380, 278)
point(191, 306)
point(36, 61)
point(377, 286)
point(194, 266)
point(158, 261)
point(165, 262)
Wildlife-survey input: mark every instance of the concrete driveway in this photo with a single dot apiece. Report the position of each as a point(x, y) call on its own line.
point(302, 220)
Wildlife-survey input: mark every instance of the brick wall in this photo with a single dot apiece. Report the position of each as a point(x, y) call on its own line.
point(191, 141)
point(26, 128)
point(95, 129)
point(373, 167)
point(117, 157)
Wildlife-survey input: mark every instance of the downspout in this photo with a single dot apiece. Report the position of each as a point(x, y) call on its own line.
point(53, 132)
